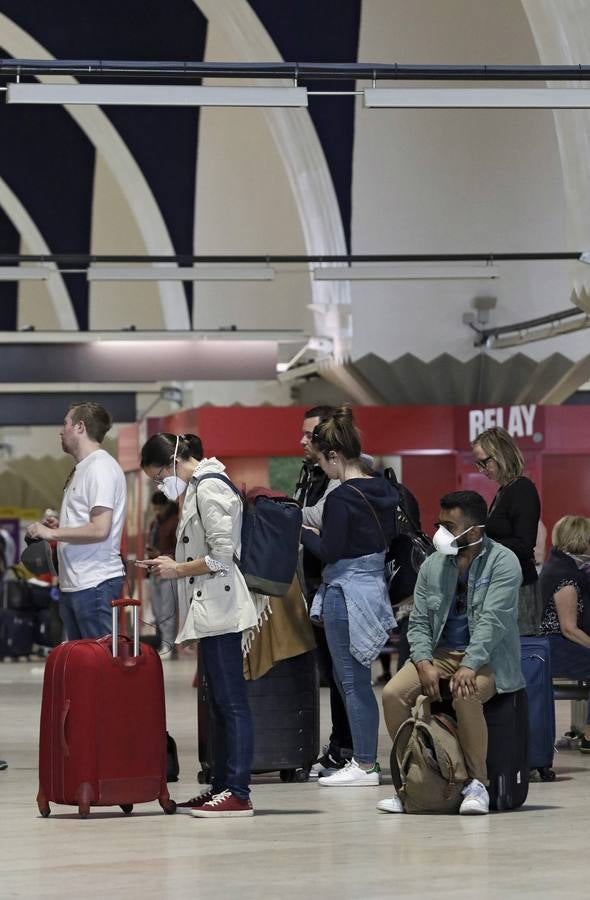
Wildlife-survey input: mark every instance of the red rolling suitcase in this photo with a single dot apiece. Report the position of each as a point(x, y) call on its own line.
point(103, 724)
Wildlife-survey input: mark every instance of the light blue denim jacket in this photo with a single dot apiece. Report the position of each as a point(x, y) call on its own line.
point(370, 618)
point(492, 611)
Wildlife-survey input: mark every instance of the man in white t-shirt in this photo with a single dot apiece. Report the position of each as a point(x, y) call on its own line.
point(90, 524)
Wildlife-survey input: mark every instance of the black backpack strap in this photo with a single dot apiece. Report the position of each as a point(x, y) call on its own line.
point(220, 477)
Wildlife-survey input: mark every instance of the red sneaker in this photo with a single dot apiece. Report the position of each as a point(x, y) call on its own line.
point(195, 802)
point(224, 805)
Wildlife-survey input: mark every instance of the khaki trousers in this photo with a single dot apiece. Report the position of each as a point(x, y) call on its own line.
point(401, 692)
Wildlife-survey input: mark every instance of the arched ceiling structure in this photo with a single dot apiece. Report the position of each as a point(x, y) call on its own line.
point(345, 179)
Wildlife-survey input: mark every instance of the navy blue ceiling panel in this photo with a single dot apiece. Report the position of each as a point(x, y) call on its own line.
point(308, 31)
point(162, 140)
point(139, 361)
point(50, 408)
point(9, 243)
point(49, 164)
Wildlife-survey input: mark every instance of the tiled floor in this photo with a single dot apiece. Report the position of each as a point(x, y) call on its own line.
point(303, 842)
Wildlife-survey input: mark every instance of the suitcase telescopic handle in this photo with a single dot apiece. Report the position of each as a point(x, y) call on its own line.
point(116, 605)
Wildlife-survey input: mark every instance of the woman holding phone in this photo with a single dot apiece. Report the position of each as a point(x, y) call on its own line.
point(215, 606)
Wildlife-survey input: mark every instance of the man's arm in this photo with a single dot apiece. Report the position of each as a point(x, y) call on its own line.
point(498, 611)
point(313, 515)
point(420, 635)
point(94, 532)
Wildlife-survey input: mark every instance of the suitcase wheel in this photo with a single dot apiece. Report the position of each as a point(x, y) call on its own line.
point(546, 773)
point(127, 808)
point(169, 807)
point(45, 811)
point(302, 775)
point(288, 775)
point(83, 812)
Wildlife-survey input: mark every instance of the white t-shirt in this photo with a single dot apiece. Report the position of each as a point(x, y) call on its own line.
point(98, 480)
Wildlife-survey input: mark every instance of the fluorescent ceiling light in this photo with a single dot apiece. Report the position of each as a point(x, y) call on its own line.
point(24, 273)
point(155, 95)
point(403, 272)
point(107, 338)
point(478, 98)
point(585, 258)
point(178, 273)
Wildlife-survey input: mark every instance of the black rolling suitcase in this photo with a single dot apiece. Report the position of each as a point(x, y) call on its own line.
point(47, 627)
point(507, 760)
point(16, 633)
point(285, 711)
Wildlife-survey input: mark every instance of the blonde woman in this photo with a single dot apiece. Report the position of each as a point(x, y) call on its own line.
point(565, 588)
point(513, 517)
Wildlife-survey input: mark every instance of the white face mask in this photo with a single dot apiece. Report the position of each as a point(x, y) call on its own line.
point(173, 486)
point(446, 543)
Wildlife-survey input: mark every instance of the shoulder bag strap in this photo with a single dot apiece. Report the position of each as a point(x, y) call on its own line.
point(375, 516)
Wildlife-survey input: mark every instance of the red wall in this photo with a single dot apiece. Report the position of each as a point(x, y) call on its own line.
point(433, 441)
point(429, 477)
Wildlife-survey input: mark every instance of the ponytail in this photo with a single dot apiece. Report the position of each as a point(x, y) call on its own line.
point(338, 434)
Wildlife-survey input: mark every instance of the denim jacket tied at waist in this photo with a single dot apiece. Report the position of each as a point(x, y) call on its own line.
point(370, 617)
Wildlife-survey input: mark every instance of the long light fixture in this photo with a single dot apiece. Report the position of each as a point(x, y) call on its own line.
point(25, 273)
point(402, 272)
point(154, 95)
point(180, 273)
point(477, 98)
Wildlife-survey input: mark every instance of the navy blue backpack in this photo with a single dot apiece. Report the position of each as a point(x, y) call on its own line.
point(271, 526)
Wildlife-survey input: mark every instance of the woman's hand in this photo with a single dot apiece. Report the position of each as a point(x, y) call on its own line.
point(161, 566)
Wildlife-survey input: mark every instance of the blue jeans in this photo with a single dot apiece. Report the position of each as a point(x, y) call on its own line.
point(88, 613)
point(233, 735)
point(353, 679)
point(569, 660)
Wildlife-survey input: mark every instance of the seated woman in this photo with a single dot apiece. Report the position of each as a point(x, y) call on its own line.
point(565, 588)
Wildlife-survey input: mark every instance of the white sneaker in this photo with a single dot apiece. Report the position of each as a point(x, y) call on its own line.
point(476, 800)
point(391, 805)
point(353, 776)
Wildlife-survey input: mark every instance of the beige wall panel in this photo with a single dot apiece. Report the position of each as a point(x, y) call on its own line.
point(244, 204)
point(444, 181)
point(35, 306)
point(117, 304)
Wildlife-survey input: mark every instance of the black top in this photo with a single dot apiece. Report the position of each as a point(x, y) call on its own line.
point(311, 487)
point(559, 571)
point(349, 527)
point(513, 521)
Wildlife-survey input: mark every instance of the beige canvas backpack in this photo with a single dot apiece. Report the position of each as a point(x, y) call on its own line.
point(427, 763)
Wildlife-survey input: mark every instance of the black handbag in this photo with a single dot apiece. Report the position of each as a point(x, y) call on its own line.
point(40, 596)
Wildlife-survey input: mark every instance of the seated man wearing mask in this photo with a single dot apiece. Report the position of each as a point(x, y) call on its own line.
point(464, 626)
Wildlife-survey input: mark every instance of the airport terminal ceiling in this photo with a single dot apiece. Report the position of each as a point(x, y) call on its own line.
point(333, 179)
